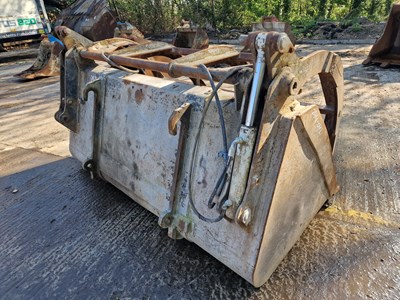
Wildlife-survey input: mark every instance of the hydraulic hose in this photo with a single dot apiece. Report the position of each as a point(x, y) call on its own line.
point(222, 121)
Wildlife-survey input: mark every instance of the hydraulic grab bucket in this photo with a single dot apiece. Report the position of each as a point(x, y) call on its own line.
point(215, 142)
point(386, 51)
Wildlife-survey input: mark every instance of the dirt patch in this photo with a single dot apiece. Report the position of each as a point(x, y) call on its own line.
point(361, 29)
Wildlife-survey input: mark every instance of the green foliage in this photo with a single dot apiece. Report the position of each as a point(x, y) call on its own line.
point(154, 16)
point(304, 28)
point(356, 27)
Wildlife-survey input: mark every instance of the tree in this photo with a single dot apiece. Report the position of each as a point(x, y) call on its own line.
point(322, 8)
point(388, 6)
point(152, 16)
point(286, 6)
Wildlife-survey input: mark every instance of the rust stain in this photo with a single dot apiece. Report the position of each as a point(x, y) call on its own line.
point(139, 96)
point(126, 81)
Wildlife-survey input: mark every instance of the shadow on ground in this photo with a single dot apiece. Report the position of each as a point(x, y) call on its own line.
point(66, 236)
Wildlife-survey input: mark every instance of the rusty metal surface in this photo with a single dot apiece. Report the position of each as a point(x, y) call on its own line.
point(47, 61)
point(62, 230)
point(127, 30)
point(127, 57)
point(188, 36)
point(386, 50)
point(176, 117)
point(271, 23)
point(111, 45)
point(140, 56)
point(121, 134)
point(90, 18)
point(174, 70)
point(71, 38)
point(208, 56)
point(145, 49)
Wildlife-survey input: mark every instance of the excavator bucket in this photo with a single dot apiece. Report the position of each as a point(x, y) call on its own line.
point(189, 36)
point(128, 31)
point(91, 18)
point(222, 144)
point(271, 23)
point(386, 50)
point(47, 62)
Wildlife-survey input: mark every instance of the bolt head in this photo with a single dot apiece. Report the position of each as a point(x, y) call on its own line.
point(256, 179)
point(245, 216)
point(168, 221)
point(228, 203)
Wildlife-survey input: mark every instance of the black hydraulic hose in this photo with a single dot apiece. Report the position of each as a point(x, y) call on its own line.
point(218, 187)
point(221, 178)
point(220, 112)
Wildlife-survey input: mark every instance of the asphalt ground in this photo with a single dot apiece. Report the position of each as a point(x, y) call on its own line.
point(65, 236)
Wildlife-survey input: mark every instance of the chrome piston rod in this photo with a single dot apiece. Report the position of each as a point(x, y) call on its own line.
point(259, 70)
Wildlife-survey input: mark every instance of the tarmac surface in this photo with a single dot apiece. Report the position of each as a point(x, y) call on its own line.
point(64, 236)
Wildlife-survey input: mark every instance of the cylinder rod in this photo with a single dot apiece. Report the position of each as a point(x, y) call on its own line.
point(259, 70)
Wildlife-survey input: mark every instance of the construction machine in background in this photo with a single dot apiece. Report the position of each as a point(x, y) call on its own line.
point(217, 142)
point(386, 50)
point(91, 18)
point(189, 35)
point(21, 21)
point(95, 20)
